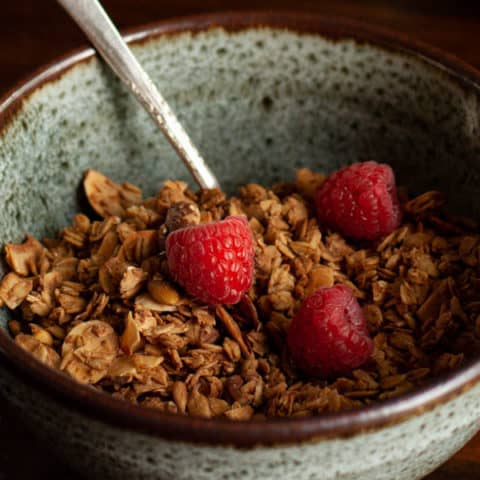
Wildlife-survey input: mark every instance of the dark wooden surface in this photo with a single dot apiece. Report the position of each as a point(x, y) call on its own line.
point(33, 32)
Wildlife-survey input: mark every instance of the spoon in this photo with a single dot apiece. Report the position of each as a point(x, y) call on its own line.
point(98, 27)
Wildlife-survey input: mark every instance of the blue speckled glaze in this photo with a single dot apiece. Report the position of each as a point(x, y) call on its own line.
point(258, 103)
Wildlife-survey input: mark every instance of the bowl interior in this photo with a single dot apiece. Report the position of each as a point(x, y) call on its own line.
point(259, 103)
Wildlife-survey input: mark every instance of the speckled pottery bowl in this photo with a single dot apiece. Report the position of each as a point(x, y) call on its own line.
point(261, 95)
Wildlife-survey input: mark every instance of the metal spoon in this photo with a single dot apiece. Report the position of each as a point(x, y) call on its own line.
point(94, 21)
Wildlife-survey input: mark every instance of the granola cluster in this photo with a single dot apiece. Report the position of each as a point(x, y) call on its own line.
point(97, 302)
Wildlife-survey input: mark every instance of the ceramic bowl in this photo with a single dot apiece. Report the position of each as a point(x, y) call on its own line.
point(261, 95)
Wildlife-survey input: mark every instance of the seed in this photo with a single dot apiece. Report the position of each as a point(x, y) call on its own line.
point(163, 292)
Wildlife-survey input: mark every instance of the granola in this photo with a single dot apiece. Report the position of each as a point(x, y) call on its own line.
point(97, 302)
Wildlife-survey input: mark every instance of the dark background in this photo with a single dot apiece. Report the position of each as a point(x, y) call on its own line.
point(33, 32)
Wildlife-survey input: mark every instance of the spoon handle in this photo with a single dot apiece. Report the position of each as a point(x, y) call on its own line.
point(94, 21)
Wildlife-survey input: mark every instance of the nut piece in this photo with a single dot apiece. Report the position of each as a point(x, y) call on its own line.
point(198, 405)
point(162, 292)
point(132, 282)
point(180, 395)
point(108, 198)
point(181, 215)
point(146, 302)
point(89, 350)
point(233, 329)
point(232, 349)
point(131, 340)
point(41, 352)
point(320, 276)
point(241, 413)
point(14, 290)
point(218, 406)
point(111, 274)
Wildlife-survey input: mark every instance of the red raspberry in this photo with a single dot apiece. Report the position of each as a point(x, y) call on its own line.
point(329, 335)
point(213, 262)
point(360, 201)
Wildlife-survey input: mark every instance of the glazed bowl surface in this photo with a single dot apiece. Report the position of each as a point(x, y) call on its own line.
point(261, 95)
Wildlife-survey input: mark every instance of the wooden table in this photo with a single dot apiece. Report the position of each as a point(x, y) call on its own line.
point(33, 32)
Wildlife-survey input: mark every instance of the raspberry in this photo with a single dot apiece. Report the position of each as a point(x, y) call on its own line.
point(360, 201)
point(328, 335)
point(213, 262)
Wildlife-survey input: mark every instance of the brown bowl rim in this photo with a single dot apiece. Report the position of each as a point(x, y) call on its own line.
point(277, 431)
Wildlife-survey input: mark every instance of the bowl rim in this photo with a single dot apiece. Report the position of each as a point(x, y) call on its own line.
point(277, 431)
